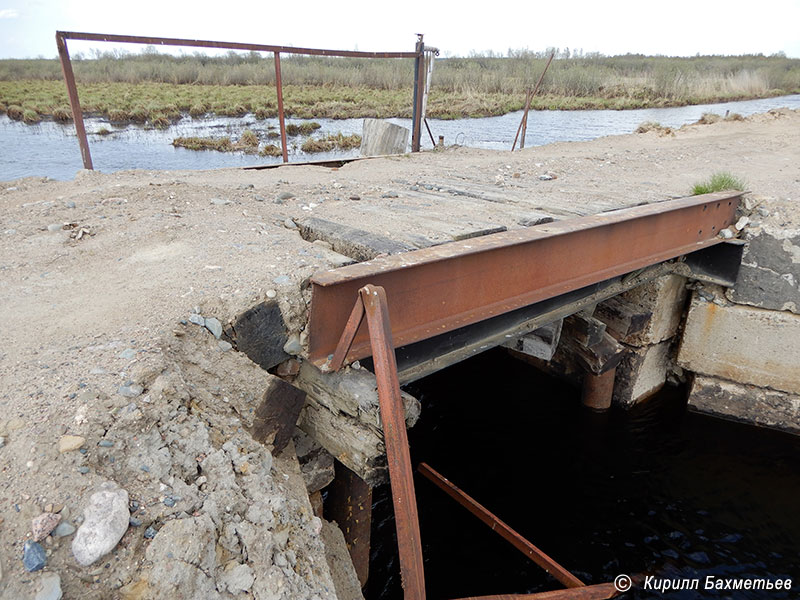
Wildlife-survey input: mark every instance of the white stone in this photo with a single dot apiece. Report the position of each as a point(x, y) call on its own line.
point(106, 520)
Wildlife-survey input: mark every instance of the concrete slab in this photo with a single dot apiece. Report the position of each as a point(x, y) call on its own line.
point(642, 373)
point(742, 344)
point(664, 298)
point(746, 403)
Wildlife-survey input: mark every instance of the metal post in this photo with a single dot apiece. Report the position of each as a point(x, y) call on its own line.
point(398, 456)
point(281, 116)
point(419, 83)
point(598, 390)
point(74, 103)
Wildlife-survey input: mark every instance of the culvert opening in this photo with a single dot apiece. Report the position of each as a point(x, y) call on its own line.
point(655, 490)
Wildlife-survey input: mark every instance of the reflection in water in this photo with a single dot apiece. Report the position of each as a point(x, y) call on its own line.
point(51, 149)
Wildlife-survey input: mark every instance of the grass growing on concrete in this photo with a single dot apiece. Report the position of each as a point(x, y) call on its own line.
point(717, 183)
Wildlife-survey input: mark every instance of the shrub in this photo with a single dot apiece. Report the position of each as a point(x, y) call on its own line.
point(717, 183)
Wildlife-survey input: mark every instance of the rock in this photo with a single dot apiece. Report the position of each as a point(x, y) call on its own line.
point(2, 441)
point(42, 525)
point(224, 346)
point(546, 177)
point(150, 533)
point(271, 294)
point(83, 470)
point(726, 234)
point(220, 201)
point(68, 443)
point(293, 345)
point(64, 529)
point(33, 557)
point(214, 326)
point(134, 522)
point(197, 320)
point(355, 198)
point(69, 204)
point(127, 354)
point(281, 280)
point(130, 390)
point(285, 196)
point(390, 195)
point(289, 224)
point(53, 227)
point(258, 198)
point(741, 223)
point(106, 520)
point(49, 587)
point(236, 578)
point(105, 444)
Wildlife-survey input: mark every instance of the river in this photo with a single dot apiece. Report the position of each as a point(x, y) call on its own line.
point(51, 149)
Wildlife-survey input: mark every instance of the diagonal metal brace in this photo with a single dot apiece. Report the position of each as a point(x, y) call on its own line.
point(372, 304)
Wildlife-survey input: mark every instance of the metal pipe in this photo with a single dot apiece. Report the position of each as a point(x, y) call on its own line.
point(396, 439)
point(135, 39)
point(416, 112)
point(503, 530)
point(74, 102)
point(281, 116)
point(598, 390)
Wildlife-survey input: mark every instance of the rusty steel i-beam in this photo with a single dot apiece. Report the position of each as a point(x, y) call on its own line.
point(443, 288)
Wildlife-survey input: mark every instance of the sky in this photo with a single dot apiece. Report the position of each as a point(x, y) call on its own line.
point(676, 28)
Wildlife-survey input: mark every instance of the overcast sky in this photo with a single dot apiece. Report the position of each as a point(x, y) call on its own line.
point(679, 27)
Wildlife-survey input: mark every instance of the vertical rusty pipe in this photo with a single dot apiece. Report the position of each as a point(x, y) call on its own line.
point(419, 78)
point(281, 116)
point(398, 456)
point(74, 103)
point(598, 390)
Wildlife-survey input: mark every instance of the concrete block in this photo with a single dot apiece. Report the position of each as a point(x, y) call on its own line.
point(770, 273)
point(742, 344)
point(379, 138)
point(642, 372)
point(745, 403)
point(664, 298)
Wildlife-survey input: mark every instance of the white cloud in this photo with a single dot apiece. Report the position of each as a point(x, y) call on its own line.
point(9, 13)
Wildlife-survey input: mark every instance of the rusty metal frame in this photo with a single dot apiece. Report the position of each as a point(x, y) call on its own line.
point(72, 90)
point(372, 304)
point(443, 288)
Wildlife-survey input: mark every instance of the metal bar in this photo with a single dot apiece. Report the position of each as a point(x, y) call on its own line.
point(428, 127)
point(601, 591)
point(74, 102)
point(416, 115)
point(394, 432)
point(136, 39)
point(524, 123)
point(443, 288)
point(348, 334)
point(519, 128)
point(503, 530)
point(281, 115)
point(349, 503)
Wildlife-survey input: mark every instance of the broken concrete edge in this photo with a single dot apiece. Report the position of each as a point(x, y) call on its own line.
point(745, 403)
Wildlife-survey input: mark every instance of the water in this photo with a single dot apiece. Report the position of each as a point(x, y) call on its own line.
point(656, 490)
point(51, 149)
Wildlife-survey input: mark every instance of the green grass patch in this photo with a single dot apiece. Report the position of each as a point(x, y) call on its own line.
point(248, 138)
point(30, 116)
point(717, 183)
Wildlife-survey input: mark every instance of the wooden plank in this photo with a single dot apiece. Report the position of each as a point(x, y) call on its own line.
point(622, 318)
point(597, 359)
point(275, 418)
point(350, 241)
point(584, 329)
